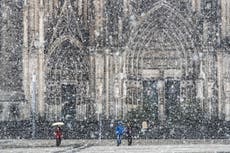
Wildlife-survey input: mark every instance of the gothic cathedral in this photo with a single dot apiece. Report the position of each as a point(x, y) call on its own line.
point(80, 59)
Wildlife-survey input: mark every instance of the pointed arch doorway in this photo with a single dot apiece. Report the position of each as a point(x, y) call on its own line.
point(159, 51)
point(67, 82)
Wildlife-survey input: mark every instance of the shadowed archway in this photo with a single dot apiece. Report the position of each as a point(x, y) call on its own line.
point(67, 82)
point(162, 49)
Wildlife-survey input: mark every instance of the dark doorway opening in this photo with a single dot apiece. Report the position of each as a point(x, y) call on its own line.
point(172, 101)
point(68, 92)
point(150, 99)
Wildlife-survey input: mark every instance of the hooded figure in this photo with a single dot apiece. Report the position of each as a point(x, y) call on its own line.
point(119, 132)
point(129, 133)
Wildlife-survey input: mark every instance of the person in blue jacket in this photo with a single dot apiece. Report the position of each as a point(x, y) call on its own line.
point(119, 132)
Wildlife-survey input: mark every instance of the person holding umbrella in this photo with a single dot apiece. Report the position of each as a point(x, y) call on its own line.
point(58, 133)
point(58, 136)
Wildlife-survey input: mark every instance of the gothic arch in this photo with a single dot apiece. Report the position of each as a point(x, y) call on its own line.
point(67, 78)
point(165, 22)
point(59, 41)
point(161, 56)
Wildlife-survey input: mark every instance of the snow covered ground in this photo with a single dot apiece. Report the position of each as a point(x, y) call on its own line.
point(89, 146)
point(207, 148)
point(159, 149)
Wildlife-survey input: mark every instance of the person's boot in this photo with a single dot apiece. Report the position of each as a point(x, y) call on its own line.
point(118, 142)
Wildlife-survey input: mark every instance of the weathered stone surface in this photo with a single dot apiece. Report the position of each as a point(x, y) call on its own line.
point(91, 58)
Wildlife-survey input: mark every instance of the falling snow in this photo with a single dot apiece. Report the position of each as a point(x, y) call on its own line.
point(159, 67)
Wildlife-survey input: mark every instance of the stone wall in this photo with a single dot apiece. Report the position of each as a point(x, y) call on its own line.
point(126, 42)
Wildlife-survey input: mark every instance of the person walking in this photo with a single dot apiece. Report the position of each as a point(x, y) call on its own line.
point(58, 135)
point(119, 132)
point(129, 134)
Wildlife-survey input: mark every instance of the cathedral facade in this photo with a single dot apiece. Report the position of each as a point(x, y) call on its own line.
point(84, 59)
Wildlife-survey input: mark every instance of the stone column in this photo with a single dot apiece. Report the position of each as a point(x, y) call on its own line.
point(126, 7)
point(200, 84)
point(196, 5)
point(227, 104)
point(117, 105)
point(107, 83)
point(220, 85)
point(35, 39)
point(32, 55)
point(211, 82)
point(99, 8)
point(80, 7)
point(226, 86)
point(225, 18)
point(25, 55)
point(41, 80)
point(199, 91)
point(99, 73)
point(161, 100)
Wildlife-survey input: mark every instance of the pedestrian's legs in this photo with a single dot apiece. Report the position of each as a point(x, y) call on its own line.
point(118, 140)
point(129, 140)
point(57, 142)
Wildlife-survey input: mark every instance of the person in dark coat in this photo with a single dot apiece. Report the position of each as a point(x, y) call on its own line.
point(58, 136)
point(129, 133)
point(119, 132)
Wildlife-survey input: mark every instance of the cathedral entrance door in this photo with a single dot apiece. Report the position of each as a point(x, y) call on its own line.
point(150, 99)
point(68, 93)
point(172, 100)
